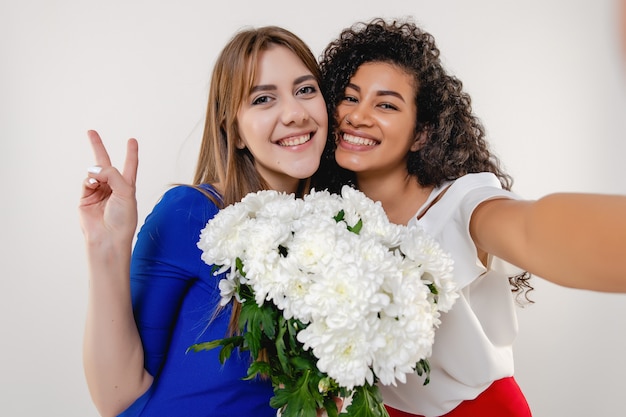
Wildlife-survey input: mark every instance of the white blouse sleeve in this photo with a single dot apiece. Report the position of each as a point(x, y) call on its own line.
point(448, 220)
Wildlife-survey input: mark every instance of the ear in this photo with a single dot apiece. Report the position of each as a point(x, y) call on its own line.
point(239, 142)
point(420, 140)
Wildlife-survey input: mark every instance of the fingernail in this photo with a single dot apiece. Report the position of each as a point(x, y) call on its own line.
point(93, 181)
point(94, 169)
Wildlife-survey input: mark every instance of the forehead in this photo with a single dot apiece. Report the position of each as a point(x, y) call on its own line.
point(383, 74)
point(278, 61)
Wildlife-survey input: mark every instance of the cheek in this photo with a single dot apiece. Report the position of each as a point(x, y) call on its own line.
point(254, 127)
point(320, 114)
point(401, 128)
point(340, 112)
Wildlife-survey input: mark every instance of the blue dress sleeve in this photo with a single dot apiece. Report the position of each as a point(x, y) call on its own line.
point(165, 263)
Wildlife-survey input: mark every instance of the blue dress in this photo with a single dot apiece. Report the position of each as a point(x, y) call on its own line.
point(174, 298)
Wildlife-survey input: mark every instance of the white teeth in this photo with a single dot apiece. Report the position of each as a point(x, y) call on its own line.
point(357, 140)
point(298, 140)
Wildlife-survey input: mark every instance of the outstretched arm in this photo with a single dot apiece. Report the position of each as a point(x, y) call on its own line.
point(574, 240)
point(112, 353)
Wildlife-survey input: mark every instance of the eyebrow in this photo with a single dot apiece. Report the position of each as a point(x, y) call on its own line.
point(271, 87)
point(379, 92)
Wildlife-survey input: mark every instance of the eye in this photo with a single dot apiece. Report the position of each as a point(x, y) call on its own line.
point(306, 90)
point(349, 99)
point(261, 100)
point(387, 106)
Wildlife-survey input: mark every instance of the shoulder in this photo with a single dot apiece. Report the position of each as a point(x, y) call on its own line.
point(471, 190)
point(184, 194)
point(477, 180)
point(457, 200)
point(182, 207)
point(188, 200)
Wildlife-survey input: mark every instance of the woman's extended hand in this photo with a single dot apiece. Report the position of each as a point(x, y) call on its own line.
point(108, 206)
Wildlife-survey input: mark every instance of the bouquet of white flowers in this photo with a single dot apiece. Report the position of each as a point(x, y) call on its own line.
point(335, 296)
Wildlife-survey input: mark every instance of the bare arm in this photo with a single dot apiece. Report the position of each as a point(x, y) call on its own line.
point(112, 353)
point(574, 240)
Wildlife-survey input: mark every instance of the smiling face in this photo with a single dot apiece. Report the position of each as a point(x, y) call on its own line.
point(283, 120)
point(377, 120)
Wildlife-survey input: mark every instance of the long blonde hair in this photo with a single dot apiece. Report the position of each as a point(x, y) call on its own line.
point(220, 161)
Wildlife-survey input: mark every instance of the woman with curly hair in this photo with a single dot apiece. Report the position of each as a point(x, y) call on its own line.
point(404, 133)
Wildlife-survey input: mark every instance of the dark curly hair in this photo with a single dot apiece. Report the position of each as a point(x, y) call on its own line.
point(455, 144)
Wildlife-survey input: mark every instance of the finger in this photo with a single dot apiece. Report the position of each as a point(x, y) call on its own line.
point(90, 186)
point(132, 161)
point(92, 183)
point(99, 151)
point(94, 180)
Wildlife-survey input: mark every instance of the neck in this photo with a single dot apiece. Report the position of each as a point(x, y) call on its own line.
point(289, 186)
point(400, 197)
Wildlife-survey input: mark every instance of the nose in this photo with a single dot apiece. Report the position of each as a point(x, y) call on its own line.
point(357, 115)
point(294, 112)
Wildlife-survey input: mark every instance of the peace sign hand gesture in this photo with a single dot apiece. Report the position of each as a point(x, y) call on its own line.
point(108, 206)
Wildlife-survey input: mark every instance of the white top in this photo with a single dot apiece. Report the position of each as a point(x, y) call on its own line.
point(473, 345)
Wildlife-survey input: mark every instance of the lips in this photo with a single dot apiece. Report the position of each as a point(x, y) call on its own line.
point(358, 140)
point(295, 140)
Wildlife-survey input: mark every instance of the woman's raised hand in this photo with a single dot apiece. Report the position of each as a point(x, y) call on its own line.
point(108, 206)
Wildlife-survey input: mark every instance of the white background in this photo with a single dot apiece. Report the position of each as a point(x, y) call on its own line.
point(548, 79)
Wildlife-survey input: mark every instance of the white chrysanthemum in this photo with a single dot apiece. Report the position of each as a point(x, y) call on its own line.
point(436, 265)
point(224, 237)
point(407, 340)
point(265, 237)
point(375, 222)
point(312, 239)
point(254, 202)
point(349, 287)
point(345, 355)
point(359, 207)
point(291, 299)
point(284, 208)
point(321, 204)
point(407, 326)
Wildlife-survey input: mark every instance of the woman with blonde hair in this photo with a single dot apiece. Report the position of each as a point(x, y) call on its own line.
point(266, 128)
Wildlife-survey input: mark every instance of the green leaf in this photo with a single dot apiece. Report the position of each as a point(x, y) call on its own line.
point(367, 401)
point(250, 319)
point(433, 289)
point(303, 363)
point(268, 316)
point(236, 341)
point(423, 368)
point(357, 227)
point(331, 407)
point(257, 367)
point(339, 217)
point(281, 349)
point(298, 400)
point(199, 347)
point(239, 266)
point(254, 344)
point(225, 353)
point(228, 344)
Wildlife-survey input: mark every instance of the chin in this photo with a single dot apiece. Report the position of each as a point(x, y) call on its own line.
point(349, 162)
point(303, 171)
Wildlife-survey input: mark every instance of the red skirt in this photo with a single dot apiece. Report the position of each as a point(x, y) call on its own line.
point(503, 398)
